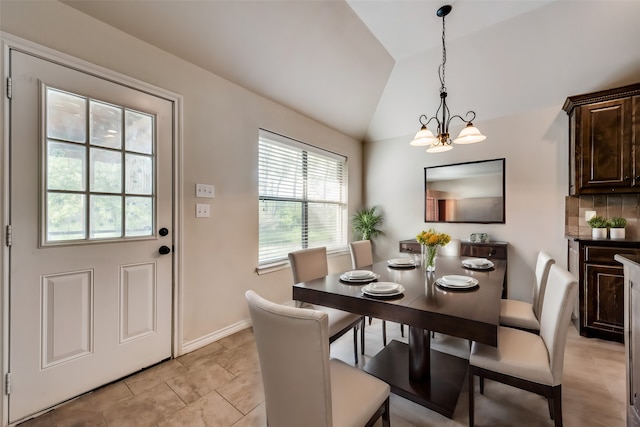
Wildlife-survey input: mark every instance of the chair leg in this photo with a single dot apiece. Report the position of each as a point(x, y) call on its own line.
point(370, 319)
point(386, 417)
point(481, 385)
point(355, 344)
point(384, 333)
point(402, 330)
point(362, 336)
point(557, 406)
point(471, 403)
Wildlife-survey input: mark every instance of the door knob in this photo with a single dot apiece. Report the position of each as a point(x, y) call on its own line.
point(163, 231)
point(164, 250)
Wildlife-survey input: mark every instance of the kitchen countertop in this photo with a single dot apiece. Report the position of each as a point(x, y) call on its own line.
point(608, 242)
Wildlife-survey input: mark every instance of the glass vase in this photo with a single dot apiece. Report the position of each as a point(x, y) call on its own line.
point(429, 257)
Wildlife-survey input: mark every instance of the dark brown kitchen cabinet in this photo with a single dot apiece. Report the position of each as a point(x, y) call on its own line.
point(604, 141)
point(600, 311)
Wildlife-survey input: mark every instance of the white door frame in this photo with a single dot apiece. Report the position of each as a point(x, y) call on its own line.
point(9, 41)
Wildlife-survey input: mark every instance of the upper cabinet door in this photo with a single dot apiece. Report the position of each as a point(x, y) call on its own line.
point(604, 142)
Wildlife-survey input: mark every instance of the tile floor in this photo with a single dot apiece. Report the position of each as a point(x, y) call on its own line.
point(220, 385)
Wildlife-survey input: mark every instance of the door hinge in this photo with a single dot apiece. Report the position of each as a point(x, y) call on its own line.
point(9, 87)
point(7, 384)
point(9, 236)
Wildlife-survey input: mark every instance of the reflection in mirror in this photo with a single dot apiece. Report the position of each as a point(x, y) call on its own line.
point(470, 192)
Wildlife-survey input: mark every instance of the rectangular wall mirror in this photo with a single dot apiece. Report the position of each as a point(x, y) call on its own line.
point(470, 192)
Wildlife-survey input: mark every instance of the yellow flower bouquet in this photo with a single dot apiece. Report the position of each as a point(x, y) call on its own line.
point(429, 240)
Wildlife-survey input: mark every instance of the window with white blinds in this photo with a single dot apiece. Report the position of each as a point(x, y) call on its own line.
point(302, 198)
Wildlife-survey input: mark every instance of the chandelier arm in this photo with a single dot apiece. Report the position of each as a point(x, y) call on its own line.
point(428, 120)
point(473, 117)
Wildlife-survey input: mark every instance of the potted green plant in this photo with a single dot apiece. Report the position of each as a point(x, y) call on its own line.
point(616, 227)
point(366, 223)
point(598, 226)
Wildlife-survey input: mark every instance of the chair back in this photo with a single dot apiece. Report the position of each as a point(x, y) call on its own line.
point(293, 348)
point(361, 253)
point(543, 264)
point(450, 249)
point(560, 296)
point(308, 264)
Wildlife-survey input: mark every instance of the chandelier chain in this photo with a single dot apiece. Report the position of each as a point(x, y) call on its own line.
point(444, 59)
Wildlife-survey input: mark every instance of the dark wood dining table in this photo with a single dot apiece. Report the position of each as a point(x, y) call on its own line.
point(416, 371)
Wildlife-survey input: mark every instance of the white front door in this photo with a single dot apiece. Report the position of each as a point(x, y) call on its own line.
point(90, 208)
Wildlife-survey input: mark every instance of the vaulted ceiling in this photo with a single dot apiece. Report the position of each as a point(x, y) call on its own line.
point(369, 68)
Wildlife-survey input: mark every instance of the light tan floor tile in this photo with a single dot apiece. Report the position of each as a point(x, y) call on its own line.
point(199, 381)
point(245, 391)
point(145, 409)
point(210, 411)
point(151, 377)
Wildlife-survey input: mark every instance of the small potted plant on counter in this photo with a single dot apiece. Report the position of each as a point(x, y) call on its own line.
point(616, 227)
point(598, 226)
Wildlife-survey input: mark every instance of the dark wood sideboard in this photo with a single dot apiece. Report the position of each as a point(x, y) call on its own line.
point(497, 250)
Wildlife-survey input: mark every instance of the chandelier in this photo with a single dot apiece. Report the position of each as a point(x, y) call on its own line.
point(442, 142)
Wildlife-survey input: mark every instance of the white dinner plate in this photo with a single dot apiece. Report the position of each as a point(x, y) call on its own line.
point(367, 291)
point(367, 279)
point(401, 262)
point(453, 279)
point(458, 285)
point(359, 274)
point(477, 263)
point(382, 287)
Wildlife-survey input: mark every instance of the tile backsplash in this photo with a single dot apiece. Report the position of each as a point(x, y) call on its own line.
point(623, 205)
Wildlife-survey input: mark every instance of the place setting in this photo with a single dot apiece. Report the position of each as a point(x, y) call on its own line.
point(383, 289)
point(481, 264)
point(457, 283)
point(359, 276)
point(401, 263)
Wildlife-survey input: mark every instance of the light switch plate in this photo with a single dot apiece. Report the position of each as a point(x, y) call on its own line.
point(202, 210)
point(589, 214)
point(205, 190)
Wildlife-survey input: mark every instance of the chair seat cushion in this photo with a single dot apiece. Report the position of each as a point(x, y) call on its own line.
point(519, 353)
point(355, 395)
point(518, 314)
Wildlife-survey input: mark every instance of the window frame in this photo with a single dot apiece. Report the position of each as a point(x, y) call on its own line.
point(307, 150)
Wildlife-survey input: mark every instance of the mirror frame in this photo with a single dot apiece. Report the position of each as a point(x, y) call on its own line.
point(472, 165)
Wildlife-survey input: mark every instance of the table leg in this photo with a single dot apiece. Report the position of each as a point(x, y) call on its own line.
point(419, 354)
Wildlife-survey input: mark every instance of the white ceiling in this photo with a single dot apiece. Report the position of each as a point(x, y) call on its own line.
point(369, 68)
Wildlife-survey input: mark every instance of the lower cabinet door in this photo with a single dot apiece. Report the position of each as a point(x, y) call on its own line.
point(604, 298)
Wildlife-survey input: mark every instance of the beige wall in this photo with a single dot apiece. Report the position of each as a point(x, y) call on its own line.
point(220, 128)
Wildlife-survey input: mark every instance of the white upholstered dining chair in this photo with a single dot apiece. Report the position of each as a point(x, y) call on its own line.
point(310, 264)
point(524, 315)
point(527, 360)
point(302, 385)
point(362, 256)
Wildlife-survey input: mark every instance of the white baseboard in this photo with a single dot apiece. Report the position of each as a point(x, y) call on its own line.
point(192, 345)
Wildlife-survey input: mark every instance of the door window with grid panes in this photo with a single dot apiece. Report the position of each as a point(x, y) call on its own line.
point(99, 170)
